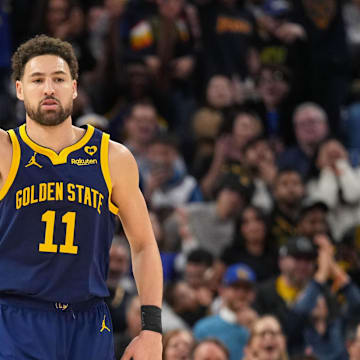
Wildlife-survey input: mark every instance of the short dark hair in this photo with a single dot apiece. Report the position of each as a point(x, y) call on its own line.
point(43, 45)
point(200, 256)
point(286, 170)
point(167, 139)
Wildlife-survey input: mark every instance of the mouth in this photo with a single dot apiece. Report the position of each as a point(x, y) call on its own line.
point(49, 104)
point(269, 348)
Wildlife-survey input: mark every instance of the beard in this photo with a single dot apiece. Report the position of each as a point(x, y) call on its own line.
point(49, 117)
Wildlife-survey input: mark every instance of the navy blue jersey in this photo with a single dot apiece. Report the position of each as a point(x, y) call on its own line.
point(56, 219)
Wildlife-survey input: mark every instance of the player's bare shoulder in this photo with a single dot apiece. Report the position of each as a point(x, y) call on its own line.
point(5, 155)
point(122, 164)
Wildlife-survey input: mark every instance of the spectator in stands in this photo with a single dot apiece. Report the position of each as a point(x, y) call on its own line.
point(288, 191)
point(353, 341)
point(210, 349)
point(177, 345)
point(348, 253)
point(120, 284)
point(252, 245)
point(190, 304)
point(228, 30)
point(191, 297)
point(198, 262)
point(166, 182)
point(273, 86)
point(133, 326)
point(207, 122)
point(64, 19)
point(311, 127)
point(312, 218)
point(229, 148)
point(237, 293)
point(327, 52)
point(277, 296)
point(140, 127)
point(210, 225)
point(267, 340)
point(279, 41)
point(324, 326)
point(259, 160)
point(334, 182)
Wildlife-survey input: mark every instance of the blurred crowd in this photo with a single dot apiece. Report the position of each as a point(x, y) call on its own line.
point(244, 119)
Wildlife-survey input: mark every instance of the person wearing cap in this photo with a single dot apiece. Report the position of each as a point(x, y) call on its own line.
point(230, 325)
point(277, 296)
point(324, 319)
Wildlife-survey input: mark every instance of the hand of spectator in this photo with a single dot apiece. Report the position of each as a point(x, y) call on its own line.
point(336, 151)
point(222, 148)
point(157, 177)
point(325, 258)
point(330, 153)
point(204, 296)
point(290, 32)
point(323, 159)
point(153, 63)
point(182, 67)
point(246, 317)
point(323, 242)
point(324, 261)
point(340, 277)
point(183, 224)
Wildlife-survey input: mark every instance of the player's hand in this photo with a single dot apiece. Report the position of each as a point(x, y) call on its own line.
point(146, 346)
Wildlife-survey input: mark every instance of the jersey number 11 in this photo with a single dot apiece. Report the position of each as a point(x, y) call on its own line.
point(48, 245)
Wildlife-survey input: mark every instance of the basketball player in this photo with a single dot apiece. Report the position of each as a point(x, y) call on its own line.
point(61, 188)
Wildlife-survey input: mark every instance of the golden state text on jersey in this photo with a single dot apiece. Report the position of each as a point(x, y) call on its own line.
point(56, 219)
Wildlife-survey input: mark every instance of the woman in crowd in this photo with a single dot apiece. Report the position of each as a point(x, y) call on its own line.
point(177, 345)
point(251, 244)
point(267, 341)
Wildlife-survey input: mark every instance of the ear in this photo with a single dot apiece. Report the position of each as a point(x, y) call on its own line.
point(19, 90)
point(74, 86)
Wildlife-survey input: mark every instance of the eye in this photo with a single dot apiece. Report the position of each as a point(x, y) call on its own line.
point(37, 81)
point(59, 80)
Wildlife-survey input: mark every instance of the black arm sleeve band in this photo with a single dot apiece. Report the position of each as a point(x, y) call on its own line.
point(151, 318)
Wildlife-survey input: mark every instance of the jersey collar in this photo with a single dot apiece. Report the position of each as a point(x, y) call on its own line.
point(55, 158)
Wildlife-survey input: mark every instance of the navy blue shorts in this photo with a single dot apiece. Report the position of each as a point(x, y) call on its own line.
point(54, 331)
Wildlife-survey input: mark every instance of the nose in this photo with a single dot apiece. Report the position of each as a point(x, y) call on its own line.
point(48, 87)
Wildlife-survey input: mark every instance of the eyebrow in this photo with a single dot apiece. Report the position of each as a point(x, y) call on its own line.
point(59, 72)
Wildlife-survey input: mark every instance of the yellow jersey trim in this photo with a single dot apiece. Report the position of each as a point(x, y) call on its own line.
point(14, 164)
point(104, 160)
point(55, 158)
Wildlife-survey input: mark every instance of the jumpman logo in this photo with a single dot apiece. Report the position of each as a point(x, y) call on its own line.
point(103, 326)
point(32, 161)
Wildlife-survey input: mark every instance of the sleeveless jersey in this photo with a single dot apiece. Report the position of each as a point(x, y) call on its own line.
point(56, 219)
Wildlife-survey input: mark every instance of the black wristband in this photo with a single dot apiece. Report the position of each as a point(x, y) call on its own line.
point(151, 318)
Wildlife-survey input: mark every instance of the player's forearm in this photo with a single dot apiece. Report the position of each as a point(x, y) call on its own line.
point(148, 274)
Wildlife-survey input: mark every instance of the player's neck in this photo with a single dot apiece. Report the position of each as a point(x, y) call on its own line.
point(53, 137)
